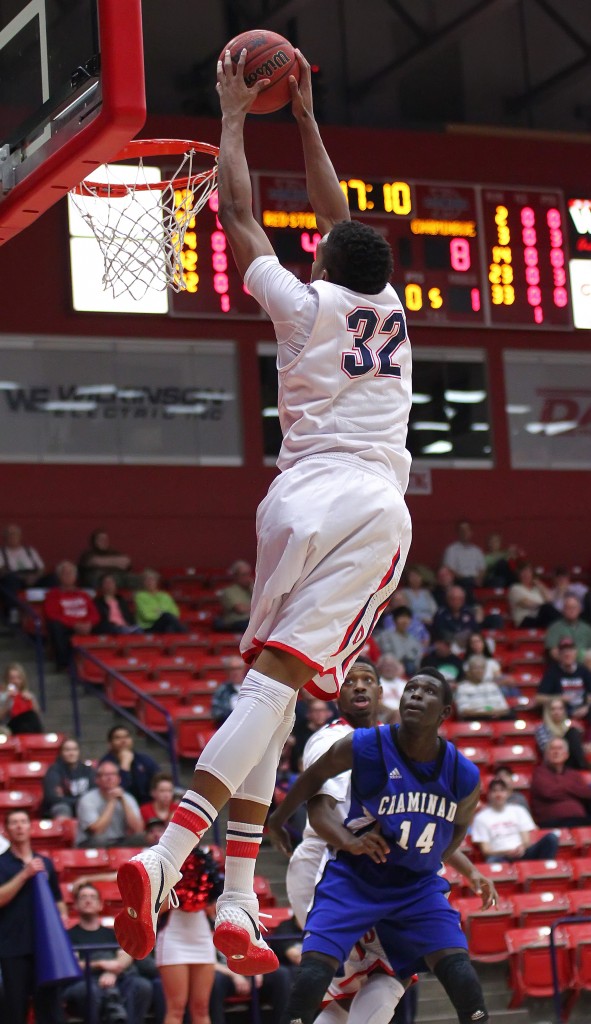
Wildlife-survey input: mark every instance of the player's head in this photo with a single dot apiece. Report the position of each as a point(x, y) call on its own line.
point(355, 256)
point(361, 694)
point(426, 700)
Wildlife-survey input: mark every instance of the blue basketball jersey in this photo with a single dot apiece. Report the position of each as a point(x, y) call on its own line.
point(415, 803)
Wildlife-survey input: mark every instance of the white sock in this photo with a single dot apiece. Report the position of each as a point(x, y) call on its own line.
point(190, 821)
point(376, 1000)
point(243, 841)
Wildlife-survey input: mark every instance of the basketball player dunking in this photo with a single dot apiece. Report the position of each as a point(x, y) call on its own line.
point(333, 532)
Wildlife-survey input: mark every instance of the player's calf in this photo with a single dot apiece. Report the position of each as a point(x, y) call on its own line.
point(460, 981)
point(313, 977)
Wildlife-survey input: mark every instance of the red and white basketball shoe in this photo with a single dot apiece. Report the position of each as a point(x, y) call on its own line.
point(145, 883)
point(237, 934)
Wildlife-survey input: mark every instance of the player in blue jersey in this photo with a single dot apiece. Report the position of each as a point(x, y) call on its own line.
point(413, 796)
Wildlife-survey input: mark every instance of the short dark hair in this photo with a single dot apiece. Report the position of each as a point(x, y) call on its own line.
point(358, 257)
point(117, 728)
point(434, 673)
point(497, 783)
point(364, 660)
point(87, 885)
point(15, 810)
point(163, 776)
point(401, 610)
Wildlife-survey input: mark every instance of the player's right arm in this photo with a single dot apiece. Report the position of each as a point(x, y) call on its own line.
point(245, 235)
point(324, 192)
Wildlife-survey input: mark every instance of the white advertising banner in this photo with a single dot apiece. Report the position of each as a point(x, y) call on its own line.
point(549, 409)
point(119, 401)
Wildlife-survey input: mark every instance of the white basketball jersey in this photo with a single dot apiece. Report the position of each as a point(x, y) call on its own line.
point(349, 389)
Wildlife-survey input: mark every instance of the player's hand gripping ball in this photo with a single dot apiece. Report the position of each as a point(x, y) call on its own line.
point(268, 56)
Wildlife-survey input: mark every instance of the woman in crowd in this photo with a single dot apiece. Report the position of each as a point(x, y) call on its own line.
point(476, 644)
point(65, 781)
point(116, 615)
point(162, 804)
point(555, 722)
point(19, 710)
point(185, 954)
point(418, 597)
point(99, 558)
point(156, 610)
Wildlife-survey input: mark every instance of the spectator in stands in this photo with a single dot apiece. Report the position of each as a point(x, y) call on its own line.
point(156, 610)
point(476, 644)
point(496, 563)
point(66, 780)
point(236, 599)
point(19, 708)
point(568, 679)
point(529, 600)
point(477, 699)
point(116, 615)
point(119, 992)
point(441, 657)
point(100, 558)
point(560, 797)
point(162, 805)
point(564, 586)
point(444, 580)
point(399, 642)
point(570, 625)
point(107, 815)
point(455, 620)
point(416, 628)
point(226, 694)
point(465, 559)
point(21, 566)
point(392, 681)
point(502, 830)
point(318, 713)
point(272, 989)
point(136, 770)
point(69, 612)
point(418, 597)
point(556, 723)
point(284, 780)
point(515, 797)
point(18, 865)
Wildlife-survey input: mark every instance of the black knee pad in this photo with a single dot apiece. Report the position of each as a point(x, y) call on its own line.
point(311, 982)
point(460, 981)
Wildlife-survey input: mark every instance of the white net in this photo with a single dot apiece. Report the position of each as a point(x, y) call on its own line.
point(145, 227)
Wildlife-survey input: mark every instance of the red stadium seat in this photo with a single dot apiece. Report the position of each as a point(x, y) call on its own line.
point(515, 731)
point(479, 755)
point(16, 798)
point(530, 968)
point(191, 735)
point(457, 883)
point(476, 734)
point(542, 875)
point(582, 871)
point(582, 838)
point(504, 876)
point(578, 937)
point(192, 646)
point(580, 901)
point(227, 643)
point(73, 864)
point(42, 746)
point(28, 776)
point(514, 755)
point(263, 891)
point(9, 749)
point(534, 909)
point(485, 929)
point(110, 896)
point(140, 644)
point(274, 916)
point(53, 835)
point(119, 855)
point(168, 696)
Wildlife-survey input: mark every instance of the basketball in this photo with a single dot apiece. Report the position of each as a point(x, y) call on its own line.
point(271, 56)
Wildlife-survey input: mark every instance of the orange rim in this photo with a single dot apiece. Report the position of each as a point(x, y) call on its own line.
point(140, 148)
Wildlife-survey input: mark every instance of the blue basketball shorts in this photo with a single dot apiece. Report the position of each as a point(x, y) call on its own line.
point(411, 919)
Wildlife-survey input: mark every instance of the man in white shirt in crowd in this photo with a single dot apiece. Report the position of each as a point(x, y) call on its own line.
point(477, 698)
point(502, 830)
point(465, 559)
point(108, 816)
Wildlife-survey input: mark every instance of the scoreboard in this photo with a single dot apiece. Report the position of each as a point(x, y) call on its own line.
point(464, 255)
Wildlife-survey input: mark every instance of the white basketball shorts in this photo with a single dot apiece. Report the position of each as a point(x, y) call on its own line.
point(333, 534)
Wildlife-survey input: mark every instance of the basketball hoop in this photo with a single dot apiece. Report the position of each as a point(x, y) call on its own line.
point(143, 226)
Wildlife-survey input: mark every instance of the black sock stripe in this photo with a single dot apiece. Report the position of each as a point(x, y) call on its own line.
point(201, 809)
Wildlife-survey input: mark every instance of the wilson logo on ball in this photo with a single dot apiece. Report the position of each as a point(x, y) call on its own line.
point(278, 60)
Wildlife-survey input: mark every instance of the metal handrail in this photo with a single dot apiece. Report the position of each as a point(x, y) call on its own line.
point(76, 680)
point(37, 640)
point(573, 919)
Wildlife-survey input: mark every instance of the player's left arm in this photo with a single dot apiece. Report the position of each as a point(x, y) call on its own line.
point(337, 759)
point(245, 235)
point(324, 192)
point(463, 818)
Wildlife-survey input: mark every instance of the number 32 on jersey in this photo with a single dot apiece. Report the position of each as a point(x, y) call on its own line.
point(364, 324)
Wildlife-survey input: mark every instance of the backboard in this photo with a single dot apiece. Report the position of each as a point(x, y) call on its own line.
point(71, 96)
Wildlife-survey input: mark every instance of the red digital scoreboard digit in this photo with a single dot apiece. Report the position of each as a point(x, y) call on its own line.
point(525, 238)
